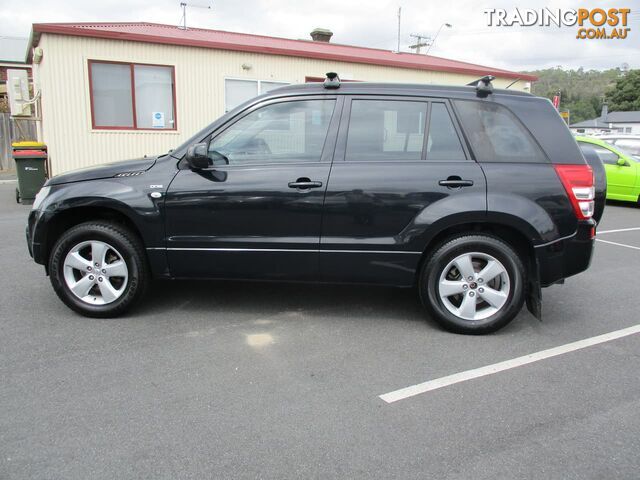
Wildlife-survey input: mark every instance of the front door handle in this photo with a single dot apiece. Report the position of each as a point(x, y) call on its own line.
point(304, 183)
point(455, 182)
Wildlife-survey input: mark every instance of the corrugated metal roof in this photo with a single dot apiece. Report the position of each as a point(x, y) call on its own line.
point(218, 39)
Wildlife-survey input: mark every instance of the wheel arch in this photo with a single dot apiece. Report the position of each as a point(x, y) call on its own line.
point(508, 233)
point(513, 234)
point(70, 217)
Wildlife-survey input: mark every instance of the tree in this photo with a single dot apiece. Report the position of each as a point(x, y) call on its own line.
point(625, 95)
point(582, 90)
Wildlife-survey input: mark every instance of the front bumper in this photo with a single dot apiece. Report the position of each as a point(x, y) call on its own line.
point(36, 249)
point(566, 257)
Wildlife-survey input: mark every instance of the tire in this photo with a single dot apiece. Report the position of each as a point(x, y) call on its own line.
point(122, 272)
point(483, 305)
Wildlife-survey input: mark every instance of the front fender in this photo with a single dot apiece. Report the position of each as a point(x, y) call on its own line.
point(130, 200)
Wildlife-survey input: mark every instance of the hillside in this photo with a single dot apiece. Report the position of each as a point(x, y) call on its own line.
point(583, 91)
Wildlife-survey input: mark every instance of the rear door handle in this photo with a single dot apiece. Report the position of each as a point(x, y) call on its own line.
point(304, 183)
point(455, 182)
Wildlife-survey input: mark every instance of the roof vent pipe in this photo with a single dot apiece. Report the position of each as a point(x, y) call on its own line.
point(321, 35)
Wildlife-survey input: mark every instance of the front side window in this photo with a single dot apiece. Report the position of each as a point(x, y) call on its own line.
point(131, 96)
point(382, 130)
point(278, 133)
point(605, 156)
point(496, 135)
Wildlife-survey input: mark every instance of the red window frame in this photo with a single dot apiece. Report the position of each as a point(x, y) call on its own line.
point(133, 97)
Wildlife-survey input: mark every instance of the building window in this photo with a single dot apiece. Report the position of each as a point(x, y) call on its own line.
point(132, 96)
point(236, 91)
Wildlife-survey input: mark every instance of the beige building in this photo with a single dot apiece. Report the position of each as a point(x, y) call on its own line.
point(113, 91)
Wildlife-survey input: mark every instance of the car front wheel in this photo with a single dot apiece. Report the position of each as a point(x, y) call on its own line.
point(98, 269)
point(473, 284)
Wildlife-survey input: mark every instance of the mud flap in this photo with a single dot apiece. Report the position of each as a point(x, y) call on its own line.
point(534, 291)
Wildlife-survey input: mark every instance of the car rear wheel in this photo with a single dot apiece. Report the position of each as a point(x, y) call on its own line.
point(98, 269)
point(473, 284)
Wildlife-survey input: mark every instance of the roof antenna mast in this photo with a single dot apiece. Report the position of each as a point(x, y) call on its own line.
point(184, 5)
point(399, 18)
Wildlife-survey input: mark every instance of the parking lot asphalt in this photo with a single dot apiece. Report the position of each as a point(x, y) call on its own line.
point(251, 380)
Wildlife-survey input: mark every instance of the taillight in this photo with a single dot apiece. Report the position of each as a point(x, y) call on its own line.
point(578, 182)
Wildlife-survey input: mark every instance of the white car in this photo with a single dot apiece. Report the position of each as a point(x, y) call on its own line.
point(629, 143)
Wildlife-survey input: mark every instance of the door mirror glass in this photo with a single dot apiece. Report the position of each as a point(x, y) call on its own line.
point(197, 156)
point(622, 162)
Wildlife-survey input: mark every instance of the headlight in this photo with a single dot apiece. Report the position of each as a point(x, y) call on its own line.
point(42, 194)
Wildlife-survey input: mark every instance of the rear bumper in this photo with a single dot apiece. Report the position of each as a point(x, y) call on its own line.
point(566, 257)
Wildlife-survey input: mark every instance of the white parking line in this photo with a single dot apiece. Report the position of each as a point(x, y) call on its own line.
point(506, 365)
point(618, 230)
point(618, 244)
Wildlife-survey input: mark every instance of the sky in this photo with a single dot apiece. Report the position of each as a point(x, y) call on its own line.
point(371, 23)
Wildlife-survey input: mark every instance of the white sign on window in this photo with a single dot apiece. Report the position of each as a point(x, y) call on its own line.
point(157, 120)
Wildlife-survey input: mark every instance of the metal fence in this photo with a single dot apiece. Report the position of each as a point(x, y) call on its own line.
point(12, 130)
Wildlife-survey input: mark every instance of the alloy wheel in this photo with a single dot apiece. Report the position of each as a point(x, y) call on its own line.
point(474, 286)
point(95, 272)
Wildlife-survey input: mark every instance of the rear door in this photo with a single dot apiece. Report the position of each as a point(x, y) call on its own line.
point(390, 181)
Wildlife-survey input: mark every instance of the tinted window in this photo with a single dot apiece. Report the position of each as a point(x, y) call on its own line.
point(496, 135)
point(605, 156)
point(386, 130)
point(282, 132)
point(443, 142)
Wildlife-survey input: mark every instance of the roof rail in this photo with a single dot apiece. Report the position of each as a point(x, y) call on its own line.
point(332, 80)
point(483, 85)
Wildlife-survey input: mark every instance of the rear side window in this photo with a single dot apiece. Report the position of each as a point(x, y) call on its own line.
point(386, 130)
point(496, 135)
point(443, 142)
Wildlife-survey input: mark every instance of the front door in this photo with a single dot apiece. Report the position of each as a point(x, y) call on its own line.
point(621, 179)
point(256, 213)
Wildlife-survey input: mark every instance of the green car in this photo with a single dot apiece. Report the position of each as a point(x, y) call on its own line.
point(622, 168)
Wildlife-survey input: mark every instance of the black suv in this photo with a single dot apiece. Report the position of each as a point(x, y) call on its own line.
point(476, 197)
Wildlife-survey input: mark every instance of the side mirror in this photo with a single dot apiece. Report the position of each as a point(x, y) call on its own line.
point(197, 156)
point(622, 162)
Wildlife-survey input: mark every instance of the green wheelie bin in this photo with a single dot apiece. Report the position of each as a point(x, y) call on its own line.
point(31, 166)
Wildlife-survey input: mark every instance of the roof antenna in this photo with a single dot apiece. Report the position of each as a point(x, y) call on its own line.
point(512, 83)
point(184, 6)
